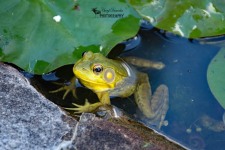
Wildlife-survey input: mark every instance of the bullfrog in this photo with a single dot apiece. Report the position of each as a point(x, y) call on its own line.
point(118, 78)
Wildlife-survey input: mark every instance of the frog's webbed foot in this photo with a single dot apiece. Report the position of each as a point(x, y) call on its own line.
point(67, 88)
point(160, 105)
point(155, 111)
point(87, 107)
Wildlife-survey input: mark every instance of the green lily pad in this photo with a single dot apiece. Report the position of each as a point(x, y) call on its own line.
point(216, 77)
point(40, 36)
point(191, 19)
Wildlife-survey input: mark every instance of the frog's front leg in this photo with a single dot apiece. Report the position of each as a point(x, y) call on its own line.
point(155, 106)
point(71, 87)
point(88, 107)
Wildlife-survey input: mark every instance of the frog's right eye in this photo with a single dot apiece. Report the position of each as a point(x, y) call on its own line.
point(84, 53)
point(97, 68)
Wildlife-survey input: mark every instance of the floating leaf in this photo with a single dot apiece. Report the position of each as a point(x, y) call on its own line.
point(190, 18)
point(216, 77)
point(40, 36)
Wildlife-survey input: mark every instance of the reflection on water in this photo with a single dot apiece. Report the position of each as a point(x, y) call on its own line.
point(190, 99)
point(217, 40)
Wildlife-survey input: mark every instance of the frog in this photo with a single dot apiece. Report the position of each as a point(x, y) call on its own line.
point(119, 78)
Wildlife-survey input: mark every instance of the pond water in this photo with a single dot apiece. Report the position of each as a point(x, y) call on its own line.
point(190, 98)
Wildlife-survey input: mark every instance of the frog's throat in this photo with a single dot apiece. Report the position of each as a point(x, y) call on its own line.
point(96, 86)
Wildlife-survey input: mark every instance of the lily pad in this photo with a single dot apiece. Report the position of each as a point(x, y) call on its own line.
point(40, 36)
point(191, 19)
point(216, 77)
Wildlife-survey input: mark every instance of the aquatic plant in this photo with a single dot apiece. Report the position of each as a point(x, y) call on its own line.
point(40, 36)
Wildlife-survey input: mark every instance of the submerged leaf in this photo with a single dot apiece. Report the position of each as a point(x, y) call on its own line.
point(216, 77)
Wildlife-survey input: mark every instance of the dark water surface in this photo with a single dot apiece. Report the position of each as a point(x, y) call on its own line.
point(185, 75)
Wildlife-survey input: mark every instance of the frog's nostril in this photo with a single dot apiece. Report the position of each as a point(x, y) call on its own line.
point(83, 69)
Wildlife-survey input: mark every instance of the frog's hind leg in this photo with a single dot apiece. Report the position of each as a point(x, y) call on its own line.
point(140, 62)
point(153, 107)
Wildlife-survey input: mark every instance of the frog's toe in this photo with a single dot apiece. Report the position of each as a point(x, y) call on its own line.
point(76, 110)
point(66, 89)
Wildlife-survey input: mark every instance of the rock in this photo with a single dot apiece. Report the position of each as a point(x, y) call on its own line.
point(27, 119)
point(117, 133)
point(30, 121)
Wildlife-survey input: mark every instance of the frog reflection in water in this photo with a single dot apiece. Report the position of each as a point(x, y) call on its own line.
point(108, 77)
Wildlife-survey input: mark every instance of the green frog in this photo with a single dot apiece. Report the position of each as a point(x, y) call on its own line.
point(118, 78)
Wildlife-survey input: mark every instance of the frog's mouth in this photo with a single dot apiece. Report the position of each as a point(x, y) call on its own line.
point(95, 86)
point(91, 84)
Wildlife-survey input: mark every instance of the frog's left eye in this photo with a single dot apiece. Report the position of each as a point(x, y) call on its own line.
point(97, 69)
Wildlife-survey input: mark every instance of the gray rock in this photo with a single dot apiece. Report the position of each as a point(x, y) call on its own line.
point(118, 133)
point(27, 119)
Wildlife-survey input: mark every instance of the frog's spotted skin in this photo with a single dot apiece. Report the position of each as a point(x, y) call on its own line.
point(108, 77)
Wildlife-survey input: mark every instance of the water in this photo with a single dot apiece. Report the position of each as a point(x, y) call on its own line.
point(185, 75)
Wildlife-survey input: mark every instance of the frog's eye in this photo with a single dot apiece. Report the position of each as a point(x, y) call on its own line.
point(97, 69)
point(84, 53)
